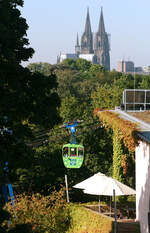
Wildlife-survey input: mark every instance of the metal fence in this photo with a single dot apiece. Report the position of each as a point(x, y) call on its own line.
point(136, 100)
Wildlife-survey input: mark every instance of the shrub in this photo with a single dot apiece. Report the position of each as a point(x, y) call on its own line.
point(44, 214)
point(83, 220)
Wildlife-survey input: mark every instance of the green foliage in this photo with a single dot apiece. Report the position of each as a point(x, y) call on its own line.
point(25, 97)
point(103, 97)
point(124, 144)
point(83, 220)
point(70, 109)
point(69, 63)
point(68, 82)
point(96, 70)
point(117, 153)
point(41, 67)
point(108, 96)
point(98, 145)
point(48, 170)
point(13, 39)
point(126, 81)
point(145, 83)
point(41, 213)
point(83, 65)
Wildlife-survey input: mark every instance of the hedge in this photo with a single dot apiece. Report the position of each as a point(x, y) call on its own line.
point(83, 220)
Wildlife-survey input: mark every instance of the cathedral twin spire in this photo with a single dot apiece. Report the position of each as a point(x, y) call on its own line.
point(88, 30)
point(87, 37)
point(101, 48)
point(101, 27)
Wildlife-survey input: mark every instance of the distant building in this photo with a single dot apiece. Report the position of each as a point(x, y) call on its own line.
point(66, 56)
point(120, 66)
point(89, 57)
point(145, 70)
point(92, 49)
point(125, 66)
point(138, 69)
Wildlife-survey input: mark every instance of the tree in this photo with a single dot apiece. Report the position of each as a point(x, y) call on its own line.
point(25, 97)
point(41, 67)
point(102, 97)
point(70, 109)
point(96, 70)
point(145, 82)
point(13, 41)
point(22, 92)
point(83, 65)
point(69, 63)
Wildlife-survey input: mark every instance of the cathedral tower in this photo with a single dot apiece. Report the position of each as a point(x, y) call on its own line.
point(87, 37)
point(102, 47)
point(77, 46)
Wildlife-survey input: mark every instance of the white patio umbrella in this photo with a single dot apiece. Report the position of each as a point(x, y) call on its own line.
point(100, 184)
point(93, 180)
point(106, 188)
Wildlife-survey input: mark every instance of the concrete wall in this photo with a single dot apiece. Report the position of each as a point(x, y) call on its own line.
point(143, 185)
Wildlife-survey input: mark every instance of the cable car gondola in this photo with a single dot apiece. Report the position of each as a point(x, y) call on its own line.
point(72, 153)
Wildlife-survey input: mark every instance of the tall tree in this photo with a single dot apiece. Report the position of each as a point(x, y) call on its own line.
point(25, 97)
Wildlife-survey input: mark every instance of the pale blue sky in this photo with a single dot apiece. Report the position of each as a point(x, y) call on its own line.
point(53, 26)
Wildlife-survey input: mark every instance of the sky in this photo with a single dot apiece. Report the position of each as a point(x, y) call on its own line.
point(54, 24)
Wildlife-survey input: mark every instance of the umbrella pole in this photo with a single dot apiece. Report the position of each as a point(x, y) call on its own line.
point(115, 215)
point(99, 204)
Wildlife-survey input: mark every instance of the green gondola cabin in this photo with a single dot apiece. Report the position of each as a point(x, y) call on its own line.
point(73, 155)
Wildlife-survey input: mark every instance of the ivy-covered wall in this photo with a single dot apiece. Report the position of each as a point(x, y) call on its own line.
point(117, 154)
point(124, 143)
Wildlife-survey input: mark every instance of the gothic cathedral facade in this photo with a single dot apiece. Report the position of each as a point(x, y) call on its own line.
point(97, 45)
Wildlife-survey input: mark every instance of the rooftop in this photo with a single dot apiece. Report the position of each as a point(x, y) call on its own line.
point(144, 116)
point(142, 119)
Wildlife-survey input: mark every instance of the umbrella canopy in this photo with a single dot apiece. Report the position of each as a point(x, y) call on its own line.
point(107, 188)
point(93, 180)
point(99, 184)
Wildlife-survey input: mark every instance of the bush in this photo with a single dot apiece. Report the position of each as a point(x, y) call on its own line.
point(83, 220)
point(44, 214)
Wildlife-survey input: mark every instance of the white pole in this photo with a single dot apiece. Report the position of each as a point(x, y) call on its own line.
point(67, 193)
point(115, 215)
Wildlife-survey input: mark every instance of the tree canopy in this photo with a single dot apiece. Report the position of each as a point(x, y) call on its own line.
point(26, 98)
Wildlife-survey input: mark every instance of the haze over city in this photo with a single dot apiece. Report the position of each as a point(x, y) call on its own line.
point(53, 27)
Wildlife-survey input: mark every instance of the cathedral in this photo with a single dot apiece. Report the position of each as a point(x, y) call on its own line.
point(93, 47)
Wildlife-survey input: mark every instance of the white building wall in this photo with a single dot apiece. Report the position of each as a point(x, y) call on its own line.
point(88, 57)
point(143, 185)
point(67, 55)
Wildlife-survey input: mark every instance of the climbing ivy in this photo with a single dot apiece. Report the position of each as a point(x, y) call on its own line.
point(117, 154)
point(124, 142)
point(126, 129)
